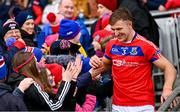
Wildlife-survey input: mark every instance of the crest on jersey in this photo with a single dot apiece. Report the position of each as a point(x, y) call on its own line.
point(134, 51)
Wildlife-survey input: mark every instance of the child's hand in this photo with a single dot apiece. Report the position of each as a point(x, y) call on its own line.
point(96, 72)
point(69, 72)
point(45, 48)
point(25, 83)
point(95, 62)
point(78, 66)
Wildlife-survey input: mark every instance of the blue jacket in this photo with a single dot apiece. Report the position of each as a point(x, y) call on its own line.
point(8, 55)
point(85, 67)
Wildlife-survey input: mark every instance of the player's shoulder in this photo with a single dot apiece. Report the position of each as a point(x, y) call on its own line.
point(144, 42)
point(113, 41)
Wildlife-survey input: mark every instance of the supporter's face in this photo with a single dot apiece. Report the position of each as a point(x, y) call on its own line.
point(102, 10)
point(50, 78)
point(122, 29)
point(28, 26)
point(13, 33)
point(77, 38)
point(67, 9)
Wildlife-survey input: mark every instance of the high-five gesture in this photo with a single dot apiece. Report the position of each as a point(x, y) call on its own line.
point(73, 69)
point(95, 62)
point(78, 66)
point(68, 74)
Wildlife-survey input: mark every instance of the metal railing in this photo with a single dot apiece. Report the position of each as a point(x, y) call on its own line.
point(166, 105)
point(153, 13)
point(158, 13)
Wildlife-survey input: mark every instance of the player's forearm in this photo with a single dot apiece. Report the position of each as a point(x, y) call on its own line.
point(170, 76)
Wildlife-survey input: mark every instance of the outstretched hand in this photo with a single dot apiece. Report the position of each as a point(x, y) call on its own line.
point(72, 70)
point(96, 72)
point(95, 62)
point(45, 48)
point(78, 65)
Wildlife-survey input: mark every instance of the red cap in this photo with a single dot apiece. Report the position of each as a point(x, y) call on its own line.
point(51, 17)
point(100, 34)
point(110, 4)
point(56, 71)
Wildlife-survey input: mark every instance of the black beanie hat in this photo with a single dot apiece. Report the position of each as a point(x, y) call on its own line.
point(9, 25)
point(22, 17)
point(60, 47)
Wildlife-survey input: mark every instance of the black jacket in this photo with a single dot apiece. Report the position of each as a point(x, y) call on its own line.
point(9, 102)
point(56, 49)
point(144, 23)
point(36, 99)
point(28, 38)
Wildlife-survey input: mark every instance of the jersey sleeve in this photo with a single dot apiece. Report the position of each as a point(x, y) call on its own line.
point(152, 52)
point(108, 50)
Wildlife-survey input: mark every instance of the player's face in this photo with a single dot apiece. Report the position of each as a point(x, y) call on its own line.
point(122, 29)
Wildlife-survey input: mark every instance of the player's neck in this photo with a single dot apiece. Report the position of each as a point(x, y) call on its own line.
point(131, 36)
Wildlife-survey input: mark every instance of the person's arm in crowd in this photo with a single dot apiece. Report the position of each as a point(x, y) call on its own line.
point(88, 105)
point(67, 102)
point(103, 63)
point(106, 63)
point(24, 85)
point(84, 79)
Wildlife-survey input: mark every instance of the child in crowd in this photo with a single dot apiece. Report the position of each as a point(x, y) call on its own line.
point(51, 30)
point(36, 97)
point(69, 44)
point(69, 34)
point(105, 9)
point(54, 76)
point(98, 36)
point(12, 100)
